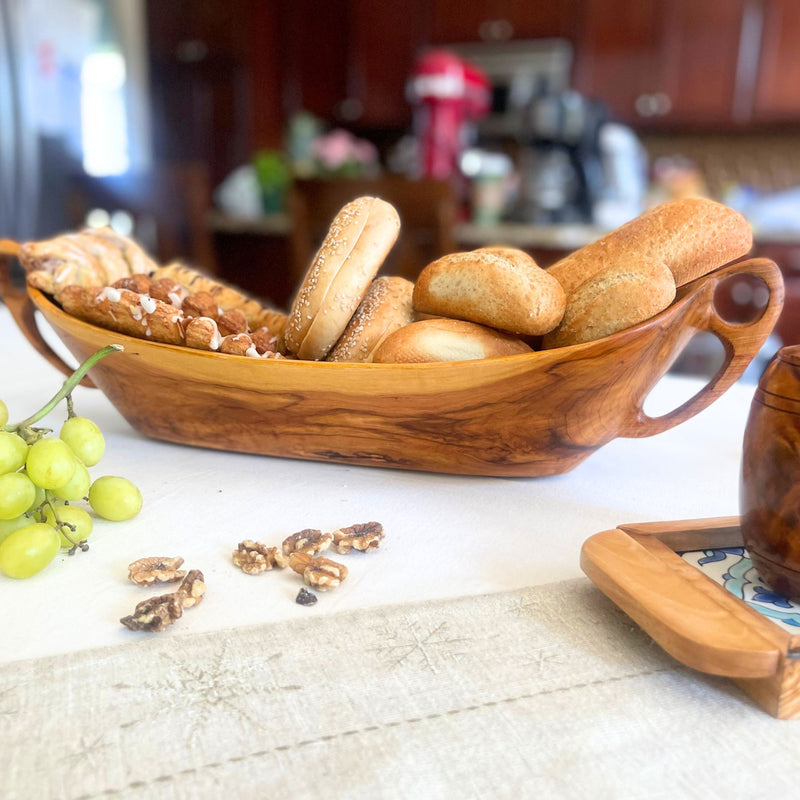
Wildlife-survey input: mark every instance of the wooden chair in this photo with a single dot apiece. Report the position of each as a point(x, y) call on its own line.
point(427, 211)
point(169, 206)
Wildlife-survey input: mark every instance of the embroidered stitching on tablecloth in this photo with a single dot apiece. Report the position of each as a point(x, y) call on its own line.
point(141, 784)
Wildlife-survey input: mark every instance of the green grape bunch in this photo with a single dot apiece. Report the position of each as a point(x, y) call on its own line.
point(43, 476)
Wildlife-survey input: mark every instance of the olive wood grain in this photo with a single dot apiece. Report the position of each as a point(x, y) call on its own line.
point(538, 413)
point(24, 312)
point(769, 490)
point(691, 616)
point(697, 629)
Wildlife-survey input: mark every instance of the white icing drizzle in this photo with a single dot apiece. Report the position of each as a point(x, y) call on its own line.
point(109, 293)
point(177, 296)
point(148, 304)
point(216, 338)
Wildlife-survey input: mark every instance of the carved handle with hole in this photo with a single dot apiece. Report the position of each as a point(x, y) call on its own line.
point(740, 340)
point(23, 312)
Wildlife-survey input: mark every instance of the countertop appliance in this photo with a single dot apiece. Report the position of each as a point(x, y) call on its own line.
point(518, 71)
point(560, 164)
point(448, 93)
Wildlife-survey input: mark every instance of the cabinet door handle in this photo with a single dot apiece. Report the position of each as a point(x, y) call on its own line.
point(653, 105)
point(645, 105)
point(495, 30)
point(663, 103)
point(350, 109)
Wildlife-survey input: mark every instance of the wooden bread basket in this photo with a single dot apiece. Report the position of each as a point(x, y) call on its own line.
point(535, 414)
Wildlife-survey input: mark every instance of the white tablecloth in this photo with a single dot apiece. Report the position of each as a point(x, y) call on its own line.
point(446, 536)
point(467, 657)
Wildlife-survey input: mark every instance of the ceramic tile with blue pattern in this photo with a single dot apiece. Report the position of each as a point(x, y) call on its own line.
point(732, 568)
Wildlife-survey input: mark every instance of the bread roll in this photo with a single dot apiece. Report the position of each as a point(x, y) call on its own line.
point(495, 286)
point(358, 241)
point(692, 237)
point(613, 300)
point(385, 308)
point(446, 340)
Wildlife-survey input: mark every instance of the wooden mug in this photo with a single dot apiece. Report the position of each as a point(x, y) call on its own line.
point(769, 497)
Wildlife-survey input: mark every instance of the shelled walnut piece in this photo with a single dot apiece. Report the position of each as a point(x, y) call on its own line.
point(363, 536)
point(309, 540)
point(154, 614)
point(148, 571)
point(192, 589)
point(318, 572)
point(157, 613)
point(254, 557)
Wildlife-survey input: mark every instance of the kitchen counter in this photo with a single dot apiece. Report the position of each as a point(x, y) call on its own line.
point(567, 236)
point(467, 657)
point(528, 237)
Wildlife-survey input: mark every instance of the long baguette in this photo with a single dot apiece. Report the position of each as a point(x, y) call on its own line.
point(692, 237)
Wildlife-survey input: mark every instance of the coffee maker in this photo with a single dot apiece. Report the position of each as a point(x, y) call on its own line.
point(559, 159)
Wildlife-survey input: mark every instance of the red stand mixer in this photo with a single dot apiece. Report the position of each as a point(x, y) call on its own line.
point(448, 94)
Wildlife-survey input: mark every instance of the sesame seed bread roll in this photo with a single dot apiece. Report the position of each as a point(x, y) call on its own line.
point(446, 340)
point(385, 308)
point(351, 254)
point(612, 301)
point(500, 287)
point(692, 237)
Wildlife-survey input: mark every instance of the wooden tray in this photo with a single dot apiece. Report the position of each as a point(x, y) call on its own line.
point(693, 617)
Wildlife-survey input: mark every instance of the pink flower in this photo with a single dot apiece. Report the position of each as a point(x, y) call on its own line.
point(340, 147)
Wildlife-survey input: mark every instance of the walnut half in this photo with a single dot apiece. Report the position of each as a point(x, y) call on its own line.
point(191, 591)
point(254, 558)
point(147, 571)
point(309, 540)
point(319, 573)
point(154, 614)
point(364, 536)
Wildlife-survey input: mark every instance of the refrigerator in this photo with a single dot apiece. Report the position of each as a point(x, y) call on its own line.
point(58, 115)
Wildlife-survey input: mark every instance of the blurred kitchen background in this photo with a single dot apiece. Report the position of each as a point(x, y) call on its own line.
point(228, 132)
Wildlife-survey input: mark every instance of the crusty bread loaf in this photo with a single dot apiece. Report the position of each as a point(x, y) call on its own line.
point(385, 308)
point(613, 300)
point(351, 254)
point(500, 287)
point(446, 340)
point(692, 237)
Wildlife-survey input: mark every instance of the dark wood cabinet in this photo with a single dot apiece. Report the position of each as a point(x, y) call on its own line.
point(226, 75)
point(455, 21)
point(384, 40)
point(777, 85)
point(692, 64)
point(199, 83)
point(663, 63)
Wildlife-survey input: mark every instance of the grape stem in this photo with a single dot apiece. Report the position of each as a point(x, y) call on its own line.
point(66, 389)
point(62, 527)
